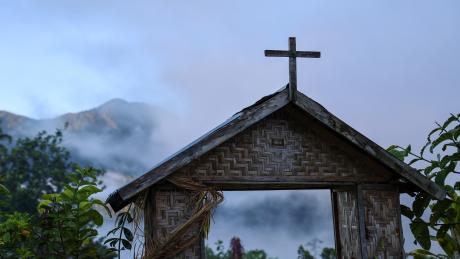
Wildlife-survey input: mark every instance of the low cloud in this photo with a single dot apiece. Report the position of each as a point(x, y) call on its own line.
point(298, 213)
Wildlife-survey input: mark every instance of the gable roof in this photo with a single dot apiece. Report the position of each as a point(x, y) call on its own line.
point(248, 117)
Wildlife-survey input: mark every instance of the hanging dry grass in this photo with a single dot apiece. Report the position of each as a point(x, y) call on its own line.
point(205, 199)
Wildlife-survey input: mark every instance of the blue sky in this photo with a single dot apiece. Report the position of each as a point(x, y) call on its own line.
point(388, 68)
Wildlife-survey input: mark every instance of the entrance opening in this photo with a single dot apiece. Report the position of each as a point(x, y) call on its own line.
point(281, 223)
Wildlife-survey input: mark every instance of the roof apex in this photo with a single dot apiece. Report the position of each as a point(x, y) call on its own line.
point(248, 117)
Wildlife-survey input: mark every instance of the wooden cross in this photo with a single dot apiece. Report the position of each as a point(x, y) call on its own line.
point(292, 53)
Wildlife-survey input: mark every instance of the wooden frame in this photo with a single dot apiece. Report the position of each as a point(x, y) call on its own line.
point(294, 143)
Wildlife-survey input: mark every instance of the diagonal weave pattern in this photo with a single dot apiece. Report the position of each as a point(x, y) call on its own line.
point(282, 148)
point(383, 226)
point(348, 225)
point(172, 209)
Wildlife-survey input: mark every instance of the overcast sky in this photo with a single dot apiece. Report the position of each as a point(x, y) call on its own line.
point(388, 68)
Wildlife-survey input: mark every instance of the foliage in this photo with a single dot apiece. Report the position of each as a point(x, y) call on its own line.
point(256, 254)
point(437, 160)
point(4, 139)
point(236, 248)
point(222, 253)
point(303, 253)
point(15, 239)
point(64, 227)
point(328, 253)
point(33, 167)
point(123, 236)
point(314, 245)
point(68, 219)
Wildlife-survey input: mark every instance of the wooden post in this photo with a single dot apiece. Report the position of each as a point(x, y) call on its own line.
point(361, 220)
point(292, 53)
point(292, 69)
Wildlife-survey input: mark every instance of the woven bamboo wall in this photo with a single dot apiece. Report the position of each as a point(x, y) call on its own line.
point(383, 223)
point(169, 208)
point(288, 147)
point(346, 213)
point(282, 148)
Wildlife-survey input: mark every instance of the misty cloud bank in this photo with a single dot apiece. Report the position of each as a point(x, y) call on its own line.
point(118, 136)
point(298, 213)
point(276, 221)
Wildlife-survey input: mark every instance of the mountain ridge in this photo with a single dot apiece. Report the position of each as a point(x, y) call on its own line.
point(117, 135)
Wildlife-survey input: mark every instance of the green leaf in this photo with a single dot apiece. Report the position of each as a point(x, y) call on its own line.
point(68, 193)
point(445, 241)
point(96, 217)
point(432, 132)
point(126, 244)
point(42, 205)
point(113, 231)
point(420, 204)
point(450, 191)
point(457, 186)
point(398, 154)
point(451, 119)
point(421, 233)
point(128, 234)
point(406, 211)
point(89, 190)
point(421, 252)
point(451, 213)
point(110, 240)
point(438, 210)
point(443, 137)
point(85, 205)
point(3, 190)
point(441, 177)
point(102, 204)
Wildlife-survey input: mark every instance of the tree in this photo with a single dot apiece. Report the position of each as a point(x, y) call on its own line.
point(235, 247)
point(221, 252)
point(256, 254)
point(328, 253)
point(303, 253)
point(65, 227)
point(64, 224)
point(437, 160)
point(33, 167)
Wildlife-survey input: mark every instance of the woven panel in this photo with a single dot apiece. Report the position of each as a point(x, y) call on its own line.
point(348, 225)
point(174, 208)
point(382, 218)
point(282, 148)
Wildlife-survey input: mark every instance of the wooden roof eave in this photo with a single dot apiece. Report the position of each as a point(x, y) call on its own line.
point(236, 124)
point(253, 114)
point(368, 146)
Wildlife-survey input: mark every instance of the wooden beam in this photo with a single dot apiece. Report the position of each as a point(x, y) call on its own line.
point(253, 185)
point(228, 129)
point(361, 221)
point(368, 146)
point(286, 53)
point(336, 222)
point(292, 70)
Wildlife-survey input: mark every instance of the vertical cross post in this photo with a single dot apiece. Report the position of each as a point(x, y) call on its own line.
point(292, 69)
point(292, 53)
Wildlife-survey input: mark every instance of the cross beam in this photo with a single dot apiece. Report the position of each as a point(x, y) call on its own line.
point(292, 53)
